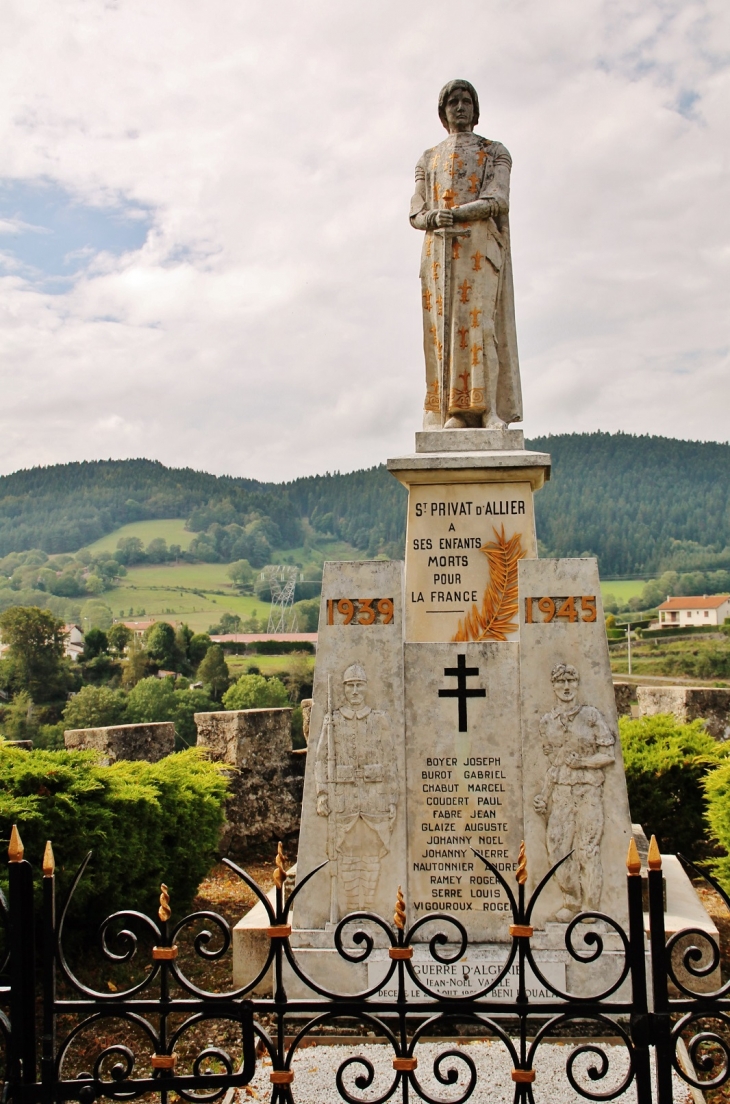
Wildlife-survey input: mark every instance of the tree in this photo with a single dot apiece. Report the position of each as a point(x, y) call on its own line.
point(256, 692)
point(185, 704)
point(130, 550)
point(241, 572)
point(161, 645)
point(229, 623)
point(96, 643)
point(152, 699)
point(307, 614)
point(36, 641)
point(96, 615)
point(119, 636)
point(197, 648)
point(95, 707)
point(213, 671)
point(137, 664)
point(18, 722)
point(157, 550)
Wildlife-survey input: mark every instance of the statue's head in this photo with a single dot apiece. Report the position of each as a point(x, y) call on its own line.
point(355, 681)
point(453, 101)
point(565, 682)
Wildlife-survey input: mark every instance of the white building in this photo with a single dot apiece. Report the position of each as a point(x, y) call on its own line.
point(681, 612)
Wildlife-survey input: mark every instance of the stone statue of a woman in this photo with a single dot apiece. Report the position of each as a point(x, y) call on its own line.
point(462, 204)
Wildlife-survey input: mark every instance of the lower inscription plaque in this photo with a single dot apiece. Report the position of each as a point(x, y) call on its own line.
point(464, 782)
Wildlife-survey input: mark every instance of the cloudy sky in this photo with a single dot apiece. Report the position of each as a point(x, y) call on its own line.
point(205, 256)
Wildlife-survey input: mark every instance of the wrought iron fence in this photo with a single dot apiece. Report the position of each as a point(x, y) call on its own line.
point(647, 1010)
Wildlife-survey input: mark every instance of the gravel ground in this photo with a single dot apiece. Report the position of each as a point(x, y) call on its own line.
point(316, 1066)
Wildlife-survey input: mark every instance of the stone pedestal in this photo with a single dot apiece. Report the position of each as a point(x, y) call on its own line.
point(463, 702)
point(265, 786)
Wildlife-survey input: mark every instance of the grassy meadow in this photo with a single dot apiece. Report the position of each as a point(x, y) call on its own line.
point(195, 593)
point(622, 589)
point(171, 529)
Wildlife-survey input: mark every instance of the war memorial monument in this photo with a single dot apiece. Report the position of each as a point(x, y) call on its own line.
point(463, 699)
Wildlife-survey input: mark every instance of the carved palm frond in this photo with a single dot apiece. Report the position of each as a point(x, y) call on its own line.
point(496, 619)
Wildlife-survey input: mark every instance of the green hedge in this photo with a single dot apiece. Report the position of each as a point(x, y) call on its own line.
point(667, 764)
point(145, 823)
point(676, 630)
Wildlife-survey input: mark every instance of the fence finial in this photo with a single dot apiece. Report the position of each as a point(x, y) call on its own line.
point(49, 861)
point(399, 916)
point(164, 911)
point(633, 862)
point(15, 848)
point(522, 865)
point(654, 860)
point(280, 872)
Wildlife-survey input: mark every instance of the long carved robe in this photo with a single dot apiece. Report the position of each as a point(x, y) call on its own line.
point(481, 332)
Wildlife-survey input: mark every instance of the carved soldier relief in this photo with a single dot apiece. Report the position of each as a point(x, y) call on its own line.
point(357, 790)
point(579, 746)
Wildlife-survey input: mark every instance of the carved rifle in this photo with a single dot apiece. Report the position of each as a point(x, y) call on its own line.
point(331, 819)
point(447, 234)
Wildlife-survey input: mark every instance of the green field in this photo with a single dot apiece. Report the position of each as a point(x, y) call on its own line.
point(268, 665)
point(171, 529)
point(181, 592)
point(622, 589)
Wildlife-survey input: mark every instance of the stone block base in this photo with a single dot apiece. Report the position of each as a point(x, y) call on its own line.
point(469, 440)
point(482, 962)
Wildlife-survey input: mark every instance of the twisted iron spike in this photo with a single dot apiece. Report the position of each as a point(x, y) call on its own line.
point(15, 848)
point(164, 911)
point(280, 872)
point(49, 861)
point(399, 916)
point(521, 874)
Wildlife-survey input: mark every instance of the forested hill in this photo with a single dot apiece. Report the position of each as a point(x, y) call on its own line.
point(641, 504)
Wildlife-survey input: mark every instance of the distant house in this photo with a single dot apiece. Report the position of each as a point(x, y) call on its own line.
point(681, 612)
point(74, 641)
point(139, 628)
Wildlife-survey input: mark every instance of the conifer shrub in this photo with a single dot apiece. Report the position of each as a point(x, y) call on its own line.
point(717, 790)
point(667, 767)
point(145, 823)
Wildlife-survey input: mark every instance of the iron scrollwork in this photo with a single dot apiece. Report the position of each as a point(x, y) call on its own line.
point(165, 1006)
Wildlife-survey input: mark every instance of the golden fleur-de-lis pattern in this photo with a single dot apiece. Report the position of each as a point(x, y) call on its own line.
point(463, 169)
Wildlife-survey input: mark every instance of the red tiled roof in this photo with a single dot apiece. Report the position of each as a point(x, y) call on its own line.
point(714, 601)
point(250, 638)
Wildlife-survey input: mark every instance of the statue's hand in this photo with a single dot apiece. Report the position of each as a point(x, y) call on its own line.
point(323, 805)
point(445, 218)
point(540, 804)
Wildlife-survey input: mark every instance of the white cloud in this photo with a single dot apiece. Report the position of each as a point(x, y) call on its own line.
point(270, 325)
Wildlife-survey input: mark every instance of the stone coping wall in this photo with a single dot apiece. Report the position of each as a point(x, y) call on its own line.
point(131, 741)
point(266, 778)
point(689, 703)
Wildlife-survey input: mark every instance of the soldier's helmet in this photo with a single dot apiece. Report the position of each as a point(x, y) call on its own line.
point(355, 673)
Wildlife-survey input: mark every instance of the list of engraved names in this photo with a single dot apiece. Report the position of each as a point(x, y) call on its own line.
point(463, 807)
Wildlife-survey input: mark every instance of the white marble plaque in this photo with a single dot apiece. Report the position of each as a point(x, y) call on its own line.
point(353, 811)
point(479, 967)
point(460, 536)
point(463, 781)
point(574, 785)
